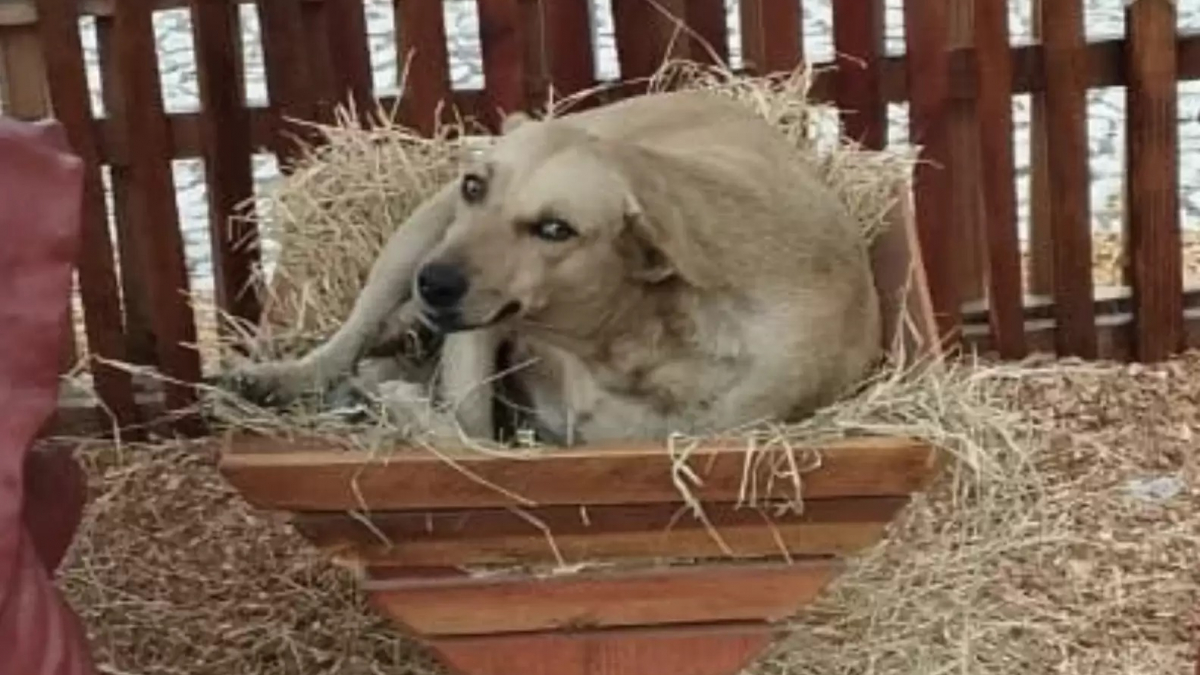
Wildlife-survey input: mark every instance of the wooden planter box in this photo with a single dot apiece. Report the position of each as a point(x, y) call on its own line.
point(413, 520)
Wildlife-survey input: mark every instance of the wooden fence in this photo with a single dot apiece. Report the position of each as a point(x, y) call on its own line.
point(959, 74)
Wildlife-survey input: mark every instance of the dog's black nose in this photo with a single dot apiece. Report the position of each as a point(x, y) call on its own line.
point(441, 286)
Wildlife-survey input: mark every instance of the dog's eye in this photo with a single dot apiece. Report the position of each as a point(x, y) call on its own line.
point(553, 229)
point(473, 188)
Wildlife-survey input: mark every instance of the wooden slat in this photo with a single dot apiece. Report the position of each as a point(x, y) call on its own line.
point(1041, 246)
point(285, 61)
point(709, 37)
point(571, 534)
point(661, 651)
point(908, 324)
point(926, 35)
point(771, 35)
point(1152, 188)
point(568, 41)
point(1068, 175)
point(858, 43)
point(97, 276)
point(421, 36)
point(24, 92)
point(225, 124)
point(159, 247)
point(322, 84)
point(317, 476)
point(995, 131)
point(347, 25)
point(699, 595)
point(648, 34)
point(139, 336)
point(966, 195)
point(503, 37)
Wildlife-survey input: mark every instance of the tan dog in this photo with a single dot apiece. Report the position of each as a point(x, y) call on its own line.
point(665, 263)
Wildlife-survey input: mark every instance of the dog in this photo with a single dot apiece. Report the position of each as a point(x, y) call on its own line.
point(666, 263)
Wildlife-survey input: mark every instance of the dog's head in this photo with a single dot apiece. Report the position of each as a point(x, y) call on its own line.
point(548, 230)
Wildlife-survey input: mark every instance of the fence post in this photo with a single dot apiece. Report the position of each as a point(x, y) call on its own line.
point(424, 62)
point(858, 44)
point(771, 35)
point(967, 201)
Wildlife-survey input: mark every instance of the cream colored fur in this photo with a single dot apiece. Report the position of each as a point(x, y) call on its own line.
point(714, 281)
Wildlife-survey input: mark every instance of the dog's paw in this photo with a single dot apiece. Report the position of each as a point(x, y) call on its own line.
point(270, 384)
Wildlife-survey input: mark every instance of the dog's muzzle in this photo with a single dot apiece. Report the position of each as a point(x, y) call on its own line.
point(441, 287)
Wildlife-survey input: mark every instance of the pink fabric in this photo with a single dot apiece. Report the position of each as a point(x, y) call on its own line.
point(40, 490)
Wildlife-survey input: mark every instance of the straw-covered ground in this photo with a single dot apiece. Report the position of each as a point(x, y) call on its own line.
point(1063, 539)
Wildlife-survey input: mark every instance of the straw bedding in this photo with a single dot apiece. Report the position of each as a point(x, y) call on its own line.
point(1063, 540)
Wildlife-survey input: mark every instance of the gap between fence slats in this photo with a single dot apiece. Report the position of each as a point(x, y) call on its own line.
point(857, 89)
point(1152, 174)
point(225, 125)
point(926, 35)
point(159, 242)
point(964, 166)
point(771, 35)
point(995, 144)
point(97, 275)
point(1067, 175)
point(424, 62)
point(285, 62)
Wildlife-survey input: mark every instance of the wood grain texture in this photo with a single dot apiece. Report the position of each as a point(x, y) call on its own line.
point(648, 33)
point(857, 90)
point(593, 600)
point(421, 36)
point(995, 130)
point(926, 37)
point(771, 35)
point(285, 63)
point(225, 125)
point(570, 534)
point(318, 476)
point(1152, 179)
point(677, 651)
point(504, 41)
point(1068, 175)
point(101, 301)
point(159, 246)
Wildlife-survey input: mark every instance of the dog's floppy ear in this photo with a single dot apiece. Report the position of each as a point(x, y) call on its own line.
point(664, 249)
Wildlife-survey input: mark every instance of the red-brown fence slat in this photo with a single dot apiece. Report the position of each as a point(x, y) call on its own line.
point(964, 166)
point(771, 35)
point(347, 36)
point(425, 62)
point(504, 41)
point(225, 125)
point(285, 61)
point(1152, 197)
point(322, 83)
point(566, 35)
point(926, 38)
point(1065, 65)
point(159, 242)
point(709, 36)
point(648, 34)
point(858, 44)
point(58, 26)
point(993, 70)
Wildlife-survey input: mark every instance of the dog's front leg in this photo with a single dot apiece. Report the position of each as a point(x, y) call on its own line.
point(388, 286)
point(467, 379)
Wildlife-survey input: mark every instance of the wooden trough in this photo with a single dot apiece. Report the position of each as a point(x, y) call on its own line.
point(412, 521)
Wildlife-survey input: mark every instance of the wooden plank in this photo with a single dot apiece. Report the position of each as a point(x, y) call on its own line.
point(225, 125)
point(285, 61)
point(322, 84)
point(1041, 246)
point(504, 42)
point(421, 36)
point(23, 93)
point(771, 35)
point(908, 325)
point(1068, 175)
point(858, 43)
point(678, 651)
point(347, 36)
point(520, 604)
point(317, 475)
point(709, 32)
point(570, 534)
point(1152, 175)
point(568, 45)
point(999, 190)
point(97, 276)
point(159, 241)
point(648, 34)
point(966, 191)
point(139, 336)
point(926, 36)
